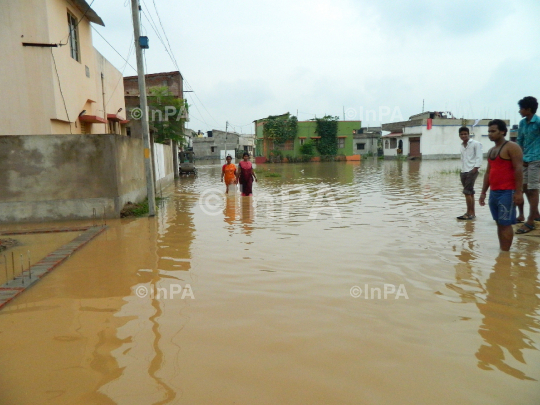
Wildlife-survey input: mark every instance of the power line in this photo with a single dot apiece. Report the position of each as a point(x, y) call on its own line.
point(161, 40)
point(76, 25)
point(166, 37)
point(173, 58)
point(131, 48)
point(61, 93)
point(169, 51)
point(113, 48)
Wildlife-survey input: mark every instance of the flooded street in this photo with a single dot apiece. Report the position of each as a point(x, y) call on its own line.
point(280, 298)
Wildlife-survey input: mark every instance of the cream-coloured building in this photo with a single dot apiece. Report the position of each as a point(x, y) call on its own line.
point(53, 80)
point(432, 135)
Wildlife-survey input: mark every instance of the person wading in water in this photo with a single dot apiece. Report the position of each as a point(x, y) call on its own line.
point(245, 176)
point(228, 172)
point(504, 175)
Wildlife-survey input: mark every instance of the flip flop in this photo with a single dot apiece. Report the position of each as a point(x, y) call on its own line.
point(527, 229)
point(466, 217)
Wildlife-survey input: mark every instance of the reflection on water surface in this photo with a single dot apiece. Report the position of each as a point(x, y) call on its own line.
point(273, 320)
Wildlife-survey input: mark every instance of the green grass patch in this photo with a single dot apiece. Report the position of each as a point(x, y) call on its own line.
point(139, 209)
point(266, 173)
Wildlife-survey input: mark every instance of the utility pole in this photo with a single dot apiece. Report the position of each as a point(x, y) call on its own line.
point(144, 111)
point(226, 134)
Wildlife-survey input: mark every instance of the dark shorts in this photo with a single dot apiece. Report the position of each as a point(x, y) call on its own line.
point(468, 179)
point(501, 205)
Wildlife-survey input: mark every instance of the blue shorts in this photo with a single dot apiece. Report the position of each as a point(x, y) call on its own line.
point(501, 204)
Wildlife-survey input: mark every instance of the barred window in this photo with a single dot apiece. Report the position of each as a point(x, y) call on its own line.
point(74, 38)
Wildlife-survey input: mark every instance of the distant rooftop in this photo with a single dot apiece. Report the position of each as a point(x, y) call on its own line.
point(433, 114)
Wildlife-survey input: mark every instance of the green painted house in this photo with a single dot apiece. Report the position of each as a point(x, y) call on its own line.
point(306, 132)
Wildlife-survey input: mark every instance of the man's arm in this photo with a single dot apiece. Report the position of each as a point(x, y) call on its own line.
point(516, 155)
point(479, 157)
point(485, 185)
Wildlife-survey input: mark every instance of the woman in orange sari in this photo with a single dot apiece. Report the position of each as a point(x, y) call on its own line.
point(228, 171)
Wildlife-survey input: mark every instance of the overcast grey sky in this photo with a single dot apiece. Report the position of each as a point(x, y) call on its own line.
point(249, 59)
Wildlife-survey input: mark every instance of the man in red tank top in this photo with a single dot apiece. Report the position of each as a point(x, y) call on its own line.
point(504, 175)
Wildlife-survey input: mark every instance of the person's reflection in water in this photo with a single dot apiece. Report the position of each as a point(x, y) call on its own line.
point(229, 212)
point(247, 215)
point(467, 284)
point(509, 312)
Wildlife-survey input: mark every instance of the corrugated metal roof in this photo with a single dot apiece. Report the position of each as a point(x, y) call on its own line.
point(92, 16)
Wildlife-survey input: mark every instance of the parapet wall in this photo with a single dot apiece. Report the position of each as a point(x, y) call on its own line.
point(64, 177)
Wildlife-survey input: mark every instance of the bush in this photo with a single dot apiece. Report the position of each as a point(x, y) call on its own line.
point(307, 149)
point(276, 156)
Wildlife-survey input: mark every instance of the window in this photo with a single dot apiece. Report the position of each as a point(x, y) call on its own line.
point(212, 149)
point(288, 145)
point(386, 144)
point(246, 148)
point(341, 143)
point(302, 142)
point(128, 131)
point(393, 143)
point(360, 146)
point(73, 38)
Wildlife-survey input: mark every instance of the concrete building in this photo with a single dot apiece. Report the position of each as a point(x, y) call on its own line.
point(53, 80)
point(246, 143)
point(63, 154)
point(432, 135)
point(366, 141)
point(306, 132)
point(189, 135)
point(216, 145)
point(172, 80)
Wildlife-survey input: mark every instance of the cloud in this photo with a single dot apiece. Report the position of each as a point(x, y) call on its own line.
point(247, 60)
point(456, 18)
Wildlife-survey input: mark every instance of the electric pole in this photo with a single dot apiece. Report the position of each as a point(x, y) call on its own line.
point(144, 111)
point(226, 134)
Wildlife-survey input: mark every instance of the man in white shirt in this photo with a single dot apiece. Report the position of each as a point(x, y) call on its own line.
point(471, 161)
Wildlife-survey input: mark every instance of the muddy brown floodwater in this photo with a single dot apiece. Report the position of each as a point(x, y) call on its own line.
point(275, 299)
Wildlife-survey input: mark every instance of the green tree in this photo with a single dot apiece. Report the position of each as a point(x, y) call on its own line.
point(167, 115)
point(307, 149)
point(327, 127)
point(280, 128)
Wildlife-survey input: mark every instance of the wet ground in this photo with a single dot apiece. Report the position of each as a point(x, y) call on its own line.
point(269, 300)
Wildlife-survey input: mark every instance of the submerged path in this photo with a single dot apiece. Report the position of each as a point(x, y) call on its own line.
point(32, 275)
